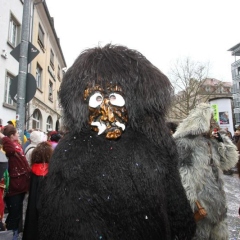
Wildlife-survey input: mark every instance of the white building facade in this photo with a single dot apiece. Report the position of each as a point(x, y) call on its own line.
point(43, 111)
point(10, 32)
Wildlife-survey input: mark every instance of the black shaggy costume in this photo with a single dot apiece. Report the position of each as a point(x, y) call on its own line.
point(126, 188)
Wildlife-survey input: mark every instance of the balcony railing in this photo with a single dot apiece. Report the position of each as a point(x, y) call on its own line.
point(236, 64)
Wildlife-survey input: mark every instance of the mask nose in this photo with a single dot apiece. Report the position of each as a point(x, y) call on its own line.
point(106, 111)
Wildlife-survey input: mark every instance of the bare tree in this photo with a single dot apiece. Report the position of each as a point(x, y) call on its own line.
point(189, 80)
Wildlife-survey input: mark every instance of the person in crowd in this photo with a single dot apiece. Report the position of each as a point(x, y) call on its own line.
point(204, 153)
point(228, 133)
point(14, 124)
point(114, 175)
point(27, 134)
point(54, 138)
point(11, 122)
point(1, 125)
point(19, 174)
point(39, 163)
point(3, 185)
point(35, 137)
point(236, 141)
point(236, 137)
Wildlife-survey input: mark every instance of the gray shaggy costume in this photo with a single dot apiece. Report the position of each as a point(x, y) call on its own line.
point(114, 176)
point(201, 176)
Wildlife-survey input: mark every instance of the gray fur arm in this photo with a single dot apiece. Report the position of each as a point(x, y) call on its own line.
point(187, 179)
point(228, 153)
point(186, 170)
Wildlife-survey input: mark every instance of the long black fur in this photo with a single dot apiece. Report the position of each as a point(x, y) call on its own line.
point(121, 189)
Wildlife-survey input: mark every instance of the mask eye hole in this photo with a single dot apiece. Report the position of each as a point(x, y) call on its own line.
point(99, 98)
point(95, 100)
point(116, 99)
point(112, 98)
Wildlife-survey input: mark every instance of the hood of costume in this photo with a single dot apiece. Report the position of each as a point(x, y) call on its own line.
point(196, 123)
point(114, 174)
point(122, 71)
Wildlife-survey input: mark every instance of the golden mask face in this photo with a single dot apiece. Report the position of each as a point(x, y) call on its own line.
point(107, 112)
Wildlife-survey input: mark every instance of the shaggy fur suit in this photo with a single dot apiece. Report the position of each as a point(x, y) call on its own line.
point(201, 177)
point(127, 188)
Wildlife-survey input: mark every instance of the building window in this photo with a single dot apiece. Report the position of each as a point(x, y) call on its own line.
point(49, 123)
point(208, 89)
point(237, 71)
point(52, 59)
point(57, 127)
point(40, 36)
point(58, 73)
point(218, 90)
point(235, 102)
point(50, 91)
point(237, 117)
point(222, 89)
point(39, 76)
point(7, 97)
point(14, 31)
point(36, 119)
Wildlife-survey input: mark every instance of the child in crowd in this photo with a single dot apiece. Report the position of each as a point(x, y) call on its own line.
point(39, 163)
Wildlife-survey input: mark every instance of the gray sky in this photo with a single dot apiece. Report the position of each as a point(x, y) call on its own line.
point(162, 30)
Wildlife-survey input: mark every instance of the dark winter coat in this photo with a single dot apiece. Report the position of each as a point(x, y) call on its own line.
point(38, 177)
point(18, 168)
point(127, 189)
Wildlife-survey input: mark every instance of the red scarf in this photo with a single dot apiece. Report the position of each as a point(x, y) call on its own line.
point(40, 169)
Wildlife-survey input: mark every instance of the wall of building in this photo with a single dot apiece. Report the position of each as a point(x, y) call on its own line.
point(235, 68)
point(8, 63)
point(44, 103)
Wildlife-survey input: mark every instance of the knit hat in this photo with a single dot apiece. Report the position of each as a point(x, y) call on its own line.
point(53, 132)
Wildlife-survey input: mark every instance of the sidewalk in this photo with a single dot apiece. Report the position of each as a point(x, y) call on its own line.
point(232, 189)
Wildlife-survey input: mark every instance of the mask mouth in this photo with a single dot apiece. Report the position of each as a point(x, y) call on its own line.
point(113, 130)
point(101, 127)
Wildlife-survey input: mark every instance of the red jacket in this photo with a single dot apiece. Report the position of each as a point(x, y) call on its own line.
point(18, 168)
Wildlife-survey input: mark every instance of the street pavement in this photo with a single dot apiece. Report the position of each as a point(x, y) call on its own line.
point(232, 189)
